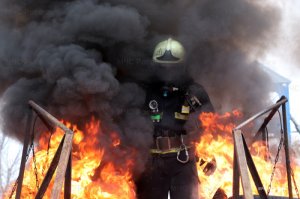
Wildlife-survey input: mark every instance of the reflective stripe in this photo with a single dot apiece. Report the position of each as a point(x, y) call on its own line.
point(157, 151)
point(181, 116)
point(185, 109)
point(174, 150)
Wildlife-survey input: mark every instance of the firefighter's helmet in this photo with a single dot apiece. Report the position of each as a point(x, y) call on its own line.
point(169, 51)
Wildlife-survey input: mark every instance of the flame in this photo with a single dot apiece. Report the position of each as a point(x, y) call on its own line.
point(113, 181)
point(115, 139)
point(217, 142)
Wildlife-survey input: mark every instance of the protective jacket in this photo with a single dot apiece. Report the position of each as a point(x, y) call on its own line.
point(170, 106)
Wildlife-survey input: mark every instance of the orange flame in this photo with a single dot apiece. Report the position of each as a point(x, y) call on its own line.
point(216, 141)
point(112, 182)
point(115, 181)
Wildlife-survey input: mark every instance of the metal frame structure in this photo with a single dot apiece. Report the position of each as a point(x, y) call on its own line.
point(61, 162)
point(243, 160)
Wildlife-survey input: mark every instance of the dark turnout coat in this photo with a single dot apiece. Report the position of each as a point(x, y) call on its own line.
point(170, 106)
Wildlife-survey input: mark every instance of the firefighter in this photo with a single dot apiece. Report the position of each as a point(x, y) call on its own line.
point(172, 97)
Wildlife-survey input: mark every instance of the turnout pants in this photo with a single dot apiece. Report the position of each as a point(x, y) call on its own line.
point(164, 174)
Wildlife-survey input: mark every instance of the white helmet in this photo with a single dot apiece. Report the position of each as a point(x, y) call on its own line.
point(169, 51)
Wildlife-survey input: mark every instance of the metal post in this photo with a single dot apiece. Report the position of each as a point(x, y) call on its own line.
point(286, 149)
point(24, 154)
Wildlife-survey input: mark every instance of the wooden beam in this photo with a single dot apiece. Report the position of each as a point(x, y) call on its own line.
point(48, 117)
point(27, 137)
point(257, 115)
point(50, 172)
point(242, 163)
point(236, 177)
point(267, 120)
point(68, 179)
point(66, 148)
point(62, 165)
point(259, 186)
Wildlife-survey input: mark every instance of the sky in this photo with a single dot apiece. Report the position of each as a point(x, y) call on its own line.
point(281, 59)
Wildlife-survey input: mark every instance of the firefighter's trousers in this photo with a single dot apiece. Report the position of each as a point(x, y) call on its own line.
point(165, 174)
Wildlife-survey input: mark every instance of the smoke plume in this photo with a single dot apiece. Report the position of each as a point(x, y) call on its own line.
point(90, 57)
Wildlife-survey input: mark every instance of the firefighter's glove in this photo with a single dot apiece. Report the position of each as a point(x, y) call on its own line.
point(210, 167)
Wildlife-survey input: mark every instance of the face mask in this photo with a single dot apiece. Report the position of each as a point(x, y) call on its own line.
point(170, 72)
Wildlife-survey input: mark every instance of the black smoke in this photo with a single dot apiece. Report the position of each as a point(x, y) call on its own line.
point(90, 57)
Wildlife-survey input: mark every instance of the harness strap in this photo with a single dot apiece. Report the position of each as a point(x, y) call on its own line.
point(174, 150)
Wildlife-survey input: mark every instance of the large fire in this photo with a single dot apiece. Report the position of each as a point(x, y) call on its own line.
point(217, 142)
point(115, 180)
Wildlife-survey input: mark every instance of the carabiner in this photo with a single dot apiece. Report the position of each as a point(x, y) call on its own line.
point(186, 153)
